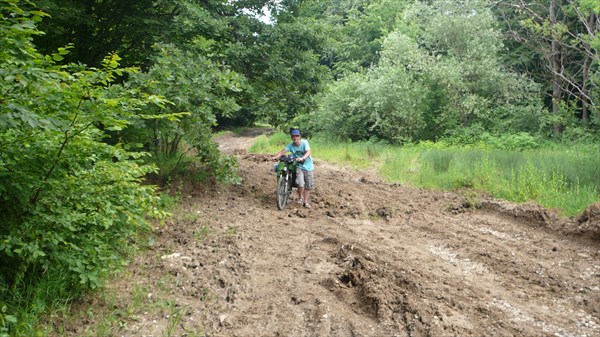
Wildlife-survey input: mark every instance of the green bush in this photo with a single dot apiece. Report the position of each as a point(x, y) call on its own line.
point(70, 203)
point(518, 141)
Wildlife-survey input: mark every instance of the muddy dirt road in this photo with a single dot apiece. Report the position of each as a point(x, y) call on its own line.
point(369, 259)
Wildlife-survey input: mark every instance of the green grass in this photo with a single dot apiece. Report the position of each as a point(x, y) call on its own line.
point(563, 177)
point(270, 144)
point(202, 233)
point(356, 155)
point(554, 178)
point(23, 308)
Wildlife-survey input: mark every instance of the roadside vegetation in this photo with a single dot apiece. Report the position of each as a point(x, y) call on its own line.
point(565, 177)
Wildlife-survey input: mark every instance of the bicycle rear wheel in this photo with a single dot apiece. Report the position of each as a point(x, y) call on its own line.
point(283, 190)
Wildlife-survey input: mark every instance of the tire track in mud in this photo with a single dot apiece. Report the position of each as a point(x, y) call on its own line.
point(417, 268)
point(369, 259)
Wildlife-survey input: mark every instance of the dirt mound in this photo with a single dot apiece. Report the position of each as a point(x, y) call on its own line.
point(369, 259)
point(588, 223)
point(529, 213)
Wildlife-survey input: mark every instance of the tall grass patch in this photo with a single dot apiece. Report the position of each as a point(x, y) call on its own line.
point(270, 144)
point(401, 165)
point(22, 314)
point(554, 178)
point(358, 155)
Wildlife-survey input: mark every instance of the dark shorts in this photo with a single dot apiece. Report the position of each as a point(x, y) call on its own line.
point(305, 179)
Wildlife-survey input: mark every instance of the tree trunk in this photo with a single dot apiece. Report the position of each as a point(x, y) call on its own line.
point(584, 90)
point(555, 63)
point(585, 102)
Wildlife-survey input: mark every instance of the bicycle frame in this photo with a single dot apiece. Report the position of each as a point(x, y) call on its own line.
point(286, 169)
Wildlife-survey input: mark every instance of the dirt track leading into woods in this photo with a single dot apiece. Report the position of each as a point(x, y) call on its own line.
point(369, 259)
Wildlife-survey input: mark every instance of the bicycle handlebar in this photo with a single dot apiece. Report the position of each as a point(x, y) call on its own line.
point(290, 159)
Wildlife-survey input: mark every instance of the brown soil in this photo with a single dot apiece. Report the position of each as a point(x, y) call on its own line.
point(369, 259)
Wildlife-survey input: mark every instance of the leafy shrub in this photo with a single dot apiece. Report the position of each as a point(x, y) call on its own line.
point(519, 141)
point(70, 203)
point(200, 89)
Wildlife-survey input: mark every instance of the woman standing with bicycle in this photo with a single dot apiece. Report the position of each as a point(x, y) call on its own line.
point(305, 180)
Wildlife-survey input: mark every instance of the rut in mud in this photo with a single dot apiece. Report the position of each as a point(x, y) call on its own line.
point(369, 259)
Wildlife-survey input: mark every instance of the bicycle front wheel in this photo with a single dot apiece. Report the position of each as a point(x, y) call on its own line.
point(283, 191)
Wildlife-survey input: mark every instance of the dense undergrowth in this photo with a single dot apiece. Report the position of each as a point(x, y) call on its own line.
point(561, 176)
point(79, 155)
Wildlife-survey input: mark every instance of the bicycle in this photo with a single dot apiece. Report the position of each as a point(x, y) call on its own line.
point(286, 179)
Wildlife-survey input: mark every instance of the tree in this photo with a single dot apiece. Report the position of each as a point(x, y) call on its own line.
point(561, 34)
point(588, 39)
point(388, 102)
point(355, 30)
point(293, 74)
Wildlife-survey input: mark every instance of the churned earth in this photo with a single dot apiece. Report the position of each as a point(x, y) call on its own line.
point(369, 258)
